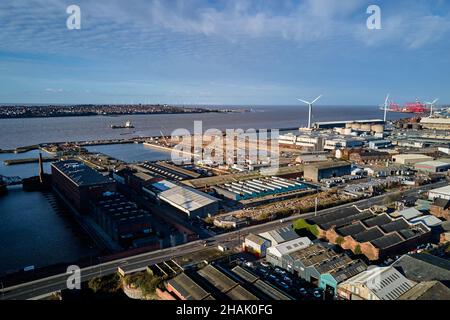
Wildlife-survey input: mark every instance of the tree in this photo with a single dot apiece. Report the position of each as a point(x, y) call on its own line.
point(109, 283)
point(358, 249)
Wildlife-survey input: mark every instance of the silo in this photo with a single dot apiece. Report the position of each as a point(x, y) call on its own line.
point(378, 128)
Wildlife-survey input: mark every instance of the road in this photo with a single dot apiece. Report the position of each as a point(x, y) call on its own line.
point(55, 283)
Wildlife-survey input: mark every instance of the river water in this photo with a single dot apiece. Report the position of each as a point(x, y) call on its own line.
point(23, 132)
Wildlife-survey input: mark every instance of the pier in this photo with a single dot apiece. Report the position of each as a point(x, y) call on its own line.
point(27, 160)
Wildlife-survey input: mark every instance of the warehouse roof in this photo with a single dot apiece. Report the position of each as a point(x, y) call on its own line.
point(240, 293)
point(385, 282)
point(442, 203)
point(187, 287)
point(81, 174)
point(434, 163)
point(443, 190)
point(256, 239)
point(280, 235)
point(187, 198)
point(327, 165)
point(271, 291)
point(429, 290)
point(409, 213)
point(423, 267)
point(217, 278)
point(244, 274)
point(290, 246)
point(428, 220)
point(408, 156)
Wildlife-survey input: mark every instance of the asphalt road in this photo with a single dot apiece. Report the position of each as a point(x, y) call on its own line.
point(58, 282)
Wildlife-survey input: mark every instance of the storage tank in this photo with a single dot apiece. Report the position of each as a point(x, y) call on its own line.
point(349, 125)
point(365, 127)
point(378, 128)
point(347, 131)
point(356, 126)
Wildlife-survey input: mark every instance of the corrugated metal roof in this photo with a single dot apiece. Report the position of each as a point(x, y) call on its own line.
point(187, 198)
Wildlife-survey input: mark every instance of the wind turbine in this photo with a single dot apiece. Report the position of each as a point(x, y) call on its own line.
point(386, 107)
point(310, 104)
point(432, 104)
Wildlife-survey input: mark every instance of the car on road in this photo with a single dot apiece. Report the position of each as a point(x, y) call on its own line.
point(264, 264)
point(303, 291)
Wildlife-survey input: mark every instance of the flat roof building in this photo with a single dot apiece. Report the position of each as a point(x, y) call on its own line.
point(256, 245)
point(275, 254)
point(376, 283)
point(280, 235)
point(433, 166)
point(442, 193)
point(324, 170)
point(410, 158)
point(225, 284)
point(187, 289)
point(120, 218)
point(192, 202)
point(79, 184)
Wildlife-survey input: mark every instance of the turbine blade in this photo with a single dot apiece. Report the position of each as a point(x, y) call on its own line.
point(315, 100)
point(306, 102)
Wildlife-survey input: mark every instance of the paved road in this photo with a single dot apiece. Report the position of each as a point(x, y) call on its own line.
point(58, 282)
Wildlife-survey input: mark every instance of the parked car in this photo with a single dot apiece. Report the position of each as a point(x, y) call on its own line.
point(317, 294)
point(303, 291)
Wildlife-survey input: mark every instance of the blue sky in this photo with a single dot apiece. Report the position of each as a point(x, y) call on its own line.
point(223, 52)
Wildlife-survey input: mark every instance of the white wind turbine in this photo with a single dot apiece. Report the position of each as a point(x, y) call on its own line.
point(310, 104)
point(386, 107)
point(432, 104)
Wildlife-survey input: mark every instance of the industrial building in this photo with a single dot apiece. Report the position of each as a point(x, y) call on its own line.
point(338, 143)
point(440, 208)
point(442, 193)
point(435, 123)
point(280, 235)
point(79, 184)
point(121, 219)
point(274, 254)
point(256, 245)
point(376, 283)
point(423, 267)
point(410, 158)
point(433, 166)
point(254, 188)
point(377, 236)
point(321, 266)
point(354, 124)
point(192, 202)
point(379, 144)
point(187, 289)
point(267, 289)
point(224, 284)
point(324, 170)
point(364, 156)
point(169, 171)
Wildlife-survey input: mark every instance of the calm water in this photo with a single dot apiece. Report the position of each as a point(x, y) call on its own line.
point(33, 232)
point(21, 132)
point(22, 170)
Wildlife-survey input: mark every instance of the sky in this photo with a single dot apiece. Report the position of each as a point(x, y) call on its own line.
point(225, 52)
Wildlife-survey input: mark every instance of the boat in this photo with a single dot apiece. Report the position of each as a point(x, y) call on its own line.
point(127, 125)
